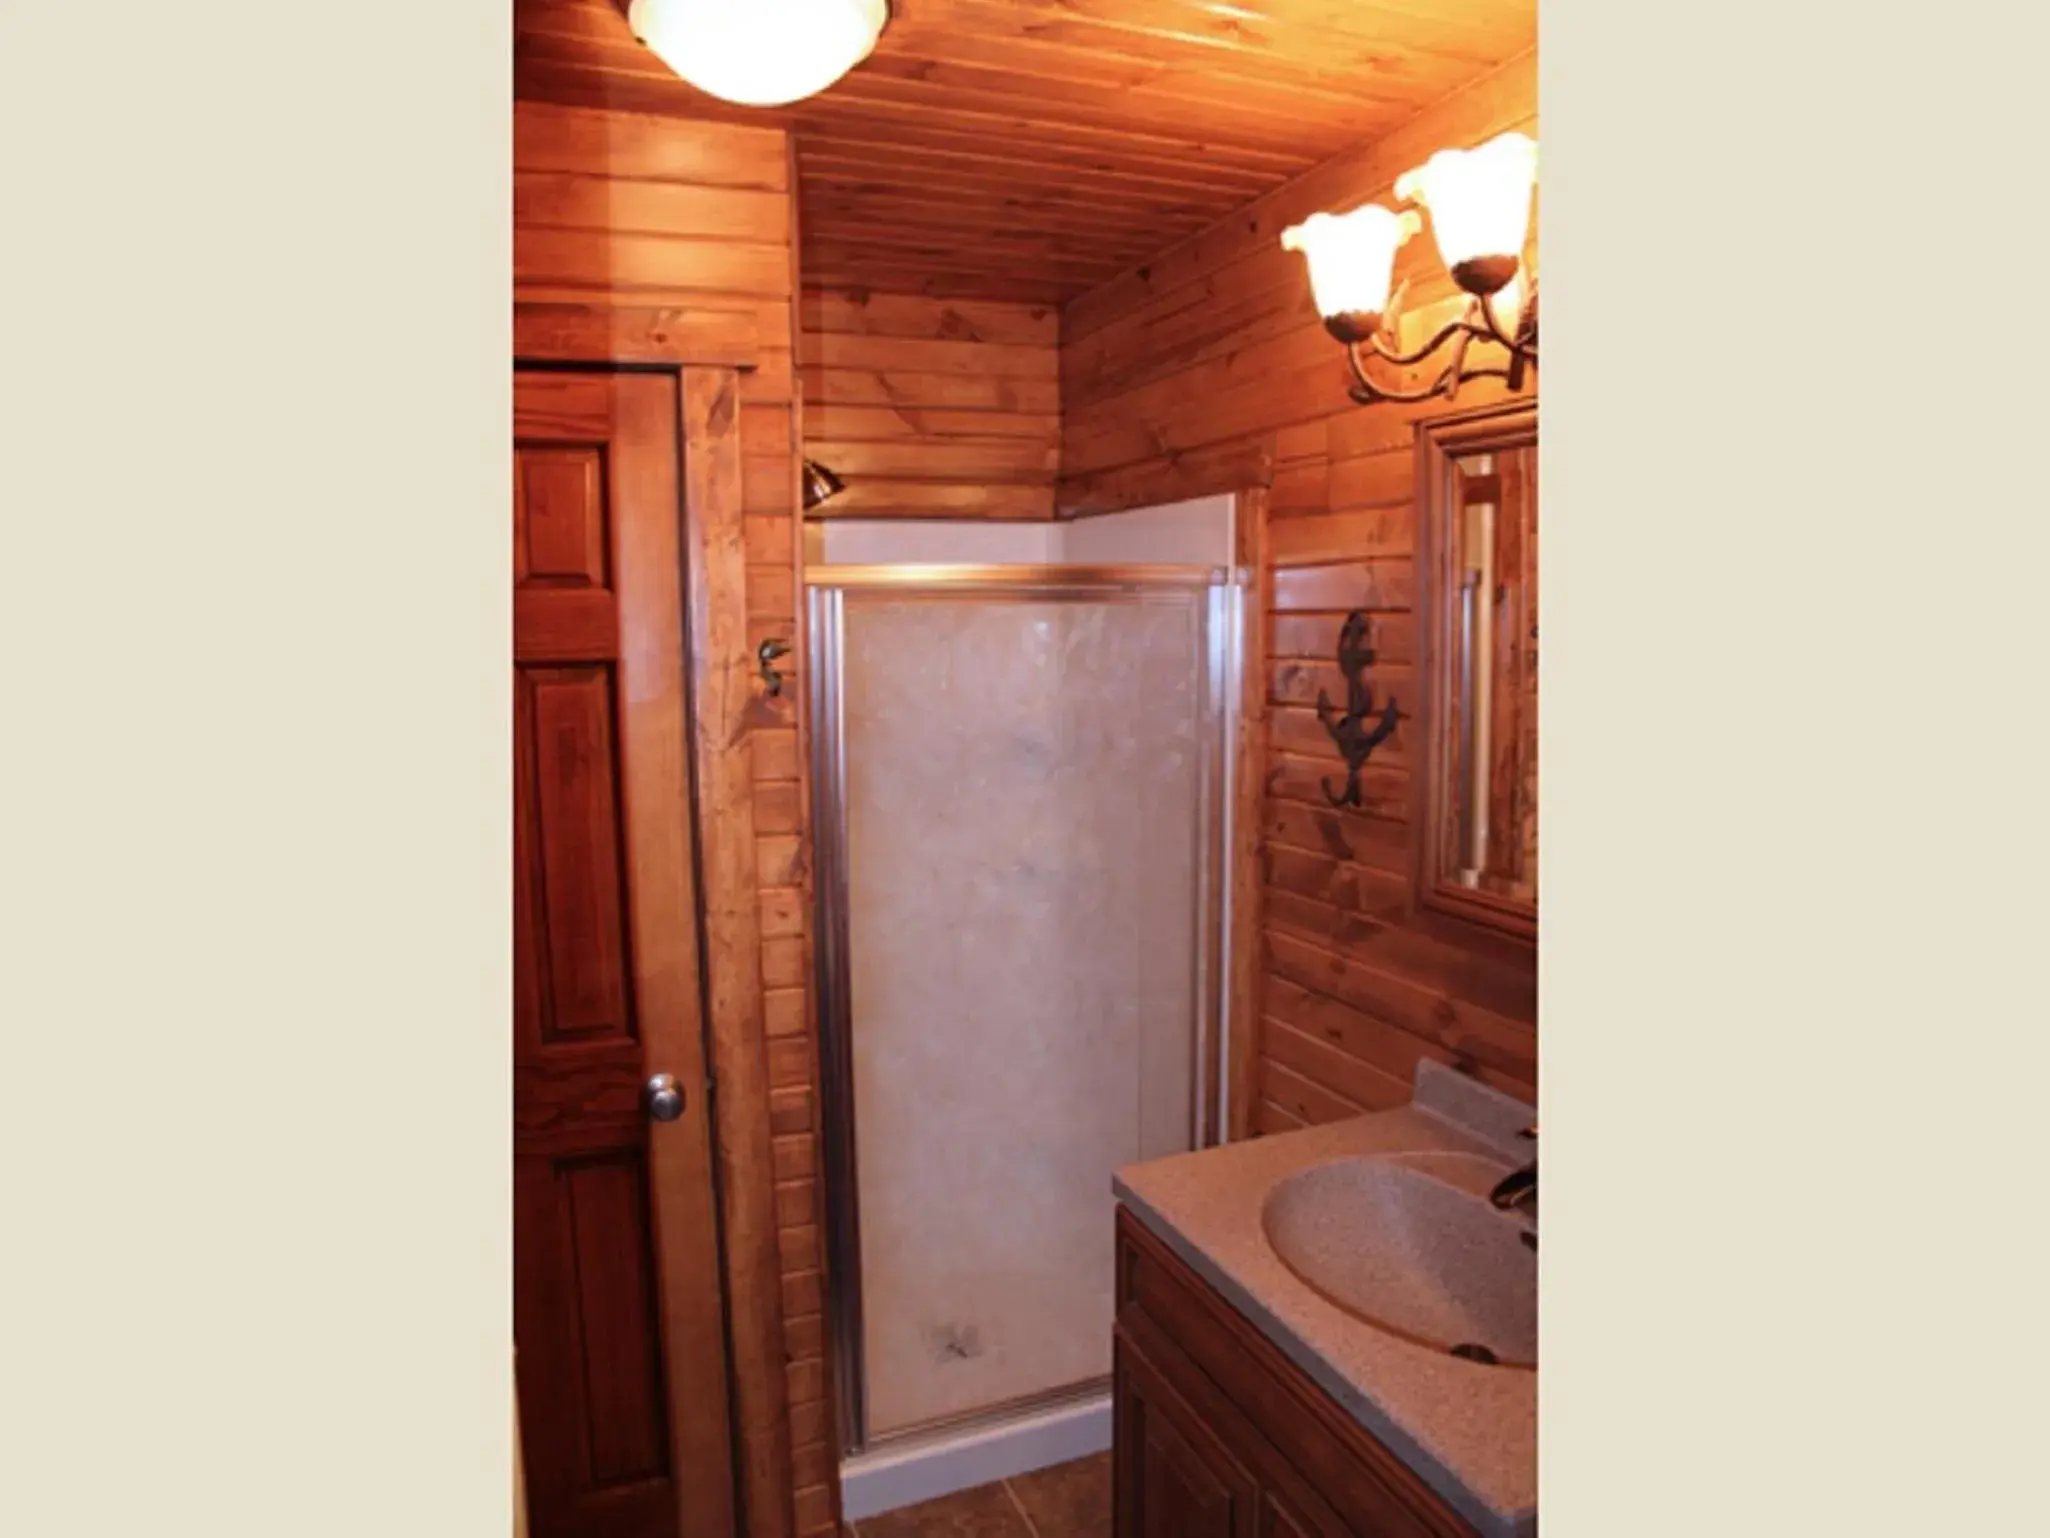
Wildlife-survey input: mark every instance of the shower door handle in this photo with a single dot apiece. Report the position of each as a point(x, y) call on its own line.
point(663, 1097)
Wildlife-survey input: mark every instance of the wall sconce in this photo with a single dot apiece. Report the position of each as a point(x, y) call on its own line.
point(1479, 203)
point(820, 485)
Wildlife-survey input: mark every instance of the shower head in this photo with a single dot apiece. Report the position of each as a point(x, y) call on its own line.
point(820, 484)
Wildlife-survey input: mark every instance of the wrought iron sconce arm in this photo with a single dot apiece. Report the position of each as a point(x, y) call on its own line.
point(1478, 323)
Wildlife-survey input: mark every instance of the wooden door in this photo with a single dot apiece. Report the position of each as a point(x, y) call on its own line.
point(617, 1313)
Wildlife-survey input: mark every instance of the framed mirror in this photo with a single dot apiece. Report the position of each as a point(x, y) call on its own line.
point(1477, 497)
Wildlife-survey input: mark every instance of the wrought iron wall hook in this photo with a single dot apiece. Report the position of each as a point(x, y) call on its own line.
point(766, 654)
point(1355, 733)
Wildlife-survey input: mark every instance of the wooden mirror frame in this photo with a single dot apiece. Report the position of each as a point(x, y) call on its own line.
point(1441, 443)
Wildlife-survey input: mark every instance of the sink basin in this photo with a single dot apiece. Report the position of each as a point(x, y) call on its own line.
point(1412, 1246)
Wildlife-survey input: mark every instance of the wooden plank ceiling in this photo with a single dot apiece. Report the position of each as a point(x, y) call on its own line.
point(1031, 149)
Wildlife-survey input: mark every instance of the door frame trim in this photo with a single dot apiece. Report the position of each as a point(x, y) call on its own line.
point(707, 355)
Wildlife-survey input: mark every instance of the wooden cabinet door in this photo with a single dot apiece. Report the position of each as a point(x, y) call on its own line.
point(1279, 1518)
point(616, 1295)
point(1171, 1477)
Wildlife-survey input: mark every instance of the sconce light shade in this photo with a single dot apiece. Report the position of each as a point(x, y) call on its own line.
point(820, 484)
point(1480, 207)
point(759, 53)
point(1352, 263)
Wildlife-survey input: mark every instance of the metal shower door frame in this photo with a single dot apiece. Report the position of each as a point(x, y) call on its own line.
point(1223, 624)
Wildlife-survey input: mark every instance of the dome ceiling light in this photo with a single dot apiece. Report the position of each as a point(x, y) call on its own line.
point(759, 53)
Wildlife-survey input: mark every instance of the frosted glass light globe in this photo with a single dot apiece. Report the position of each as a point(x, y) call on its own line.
point(759, 53)
point(1480, 207)
point(1352, 262)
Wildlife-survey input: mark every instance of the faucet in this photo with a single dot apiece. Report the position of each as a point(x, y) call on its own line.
point(1518, 1188)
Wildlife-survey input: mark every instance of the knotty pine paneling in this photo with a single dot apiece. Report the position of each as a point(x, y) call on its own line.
point(1030, 151)
point(1209, 357)
point(618, 208)
point(931, 408)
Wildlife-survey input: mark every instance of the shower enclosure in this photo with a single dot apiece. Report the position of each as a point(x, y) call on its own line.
point(1021, 820)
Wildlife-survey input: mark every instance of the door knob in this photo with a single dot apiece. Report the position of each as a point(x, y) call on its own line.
point(663, 1097)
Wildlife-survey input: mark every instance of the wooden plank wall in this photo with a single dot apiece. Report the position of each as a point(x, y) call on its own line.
point(932, 408)
point(614, 208)
point(1212, 354)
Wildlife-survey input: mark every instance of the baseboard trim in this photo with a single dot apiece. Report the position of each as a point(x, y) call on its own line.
point(883, 1480)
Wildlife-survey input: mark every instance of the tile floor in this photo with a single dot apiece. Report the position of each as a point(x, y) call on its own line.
point(1069, 1500)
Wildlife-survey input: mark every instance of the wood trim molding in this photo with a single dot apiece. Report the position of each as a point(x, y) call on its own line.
point(803, 533)
point(683, 338)
point(1438, 441)
point(722, 685)
point(1245, 952)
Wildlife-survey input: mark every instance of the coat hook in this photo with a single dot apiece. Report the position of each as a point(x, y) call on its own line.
point(1355, 736)
point(766, 654)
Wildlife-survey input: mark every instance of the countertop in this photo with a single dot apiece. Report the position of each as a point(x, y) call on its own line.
point(1469, 1431)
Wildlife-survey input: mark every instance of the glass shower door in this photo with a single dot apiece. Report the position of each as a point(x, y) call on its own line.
point(1024, 826)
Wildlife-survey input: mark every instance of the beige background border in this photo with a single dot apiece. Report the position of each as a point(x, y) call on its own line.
point(254, 857)
point(1794, 1037)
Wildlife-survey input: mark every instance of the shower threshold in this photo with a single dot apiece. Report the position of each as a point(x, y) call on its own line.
point(964, 1453)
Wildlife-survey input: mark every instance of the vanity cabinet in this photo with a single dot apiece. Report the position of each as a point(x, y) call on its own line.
point(1219, 1435)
